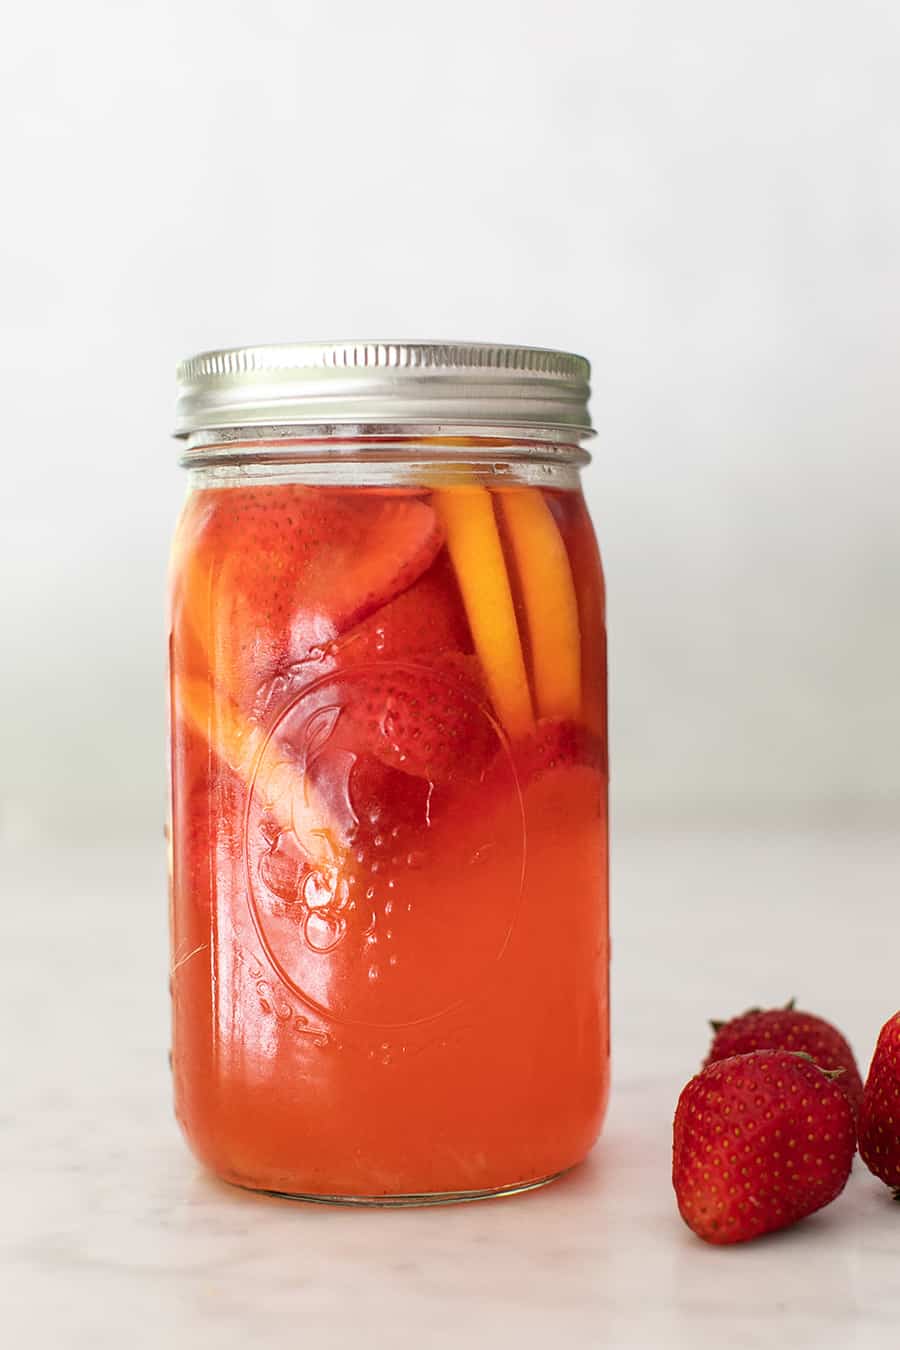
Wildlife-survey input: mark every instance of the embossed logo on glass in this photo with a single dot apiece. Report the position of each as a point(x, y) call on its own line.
point(385, 845)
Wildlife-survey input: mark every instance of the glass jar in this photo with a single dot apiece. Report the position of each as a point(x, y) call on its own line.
point(389, 773)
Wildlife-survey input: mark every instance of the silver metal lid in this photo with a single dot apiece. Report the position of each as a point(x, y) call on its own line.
point(384, 383)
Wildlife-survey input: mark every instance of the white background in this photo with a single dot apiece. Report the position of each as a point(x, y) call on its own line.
point(703, 197)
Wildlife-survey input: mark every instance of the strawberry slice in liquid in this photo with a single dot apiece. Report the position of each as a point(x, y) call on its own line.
point(272, 573)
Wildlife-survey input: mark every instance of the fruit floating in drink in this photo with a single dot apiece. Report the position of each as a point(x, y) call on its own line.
point(389, 867)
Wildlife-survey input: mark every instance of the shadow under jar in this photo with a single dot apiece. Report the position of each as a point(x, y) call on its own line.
point(389, 772)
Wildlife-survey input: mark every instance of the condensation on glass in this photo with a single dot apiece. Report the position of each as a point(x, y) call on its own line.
point(388, 771)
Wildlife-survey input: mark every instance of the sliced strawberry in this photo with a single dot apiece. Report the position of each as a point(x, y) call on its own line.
point(423, 621)
point(428, 721)
point(272, 572)
point(387, 802)
point(554, 745)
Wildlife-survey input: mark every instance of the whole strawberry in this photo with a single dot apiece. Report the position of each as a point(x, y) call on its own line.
point(879, 1116)
point(789, 1029)
point(761, 1140)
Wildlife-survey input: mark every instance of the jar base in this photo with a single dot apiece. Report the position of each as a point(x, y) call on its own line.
point(411, 1201)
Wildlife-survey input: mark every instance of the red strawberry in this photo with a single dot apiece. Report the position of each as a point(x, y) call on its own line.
point(327, 553)
point(761, 1140)
point(426, 720)
point(789, 1029)
point(426, 619)
point(385, 800)
point(879, 1116)
point(555, 744)
point(273, 572)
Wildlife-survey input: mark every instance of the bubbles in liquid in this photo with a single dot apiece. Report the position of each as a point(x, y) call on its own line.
point(360, 889)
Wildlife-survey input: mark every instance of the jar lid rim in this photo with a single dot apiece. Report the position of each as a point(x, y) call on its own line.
point(384, 381)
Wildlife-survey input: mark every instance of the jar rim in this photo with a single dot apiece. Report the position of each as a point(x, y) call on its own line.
point(428, 442)
point(382, 383)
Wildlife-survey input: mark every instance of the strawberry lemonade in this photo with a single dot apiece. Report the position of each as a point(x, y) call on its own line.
point(388, 818)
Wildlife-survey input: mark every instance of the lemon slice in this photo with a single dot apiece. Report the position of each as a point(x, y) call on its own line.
point(473, 541)
point(551, 605)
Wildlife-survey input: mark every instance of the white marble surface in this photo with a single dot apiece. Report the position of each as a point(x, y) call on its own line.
point(112, 1237)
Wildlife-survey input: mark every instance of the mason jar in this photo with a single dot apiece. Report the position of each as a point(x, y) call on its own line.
point(389, 942)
